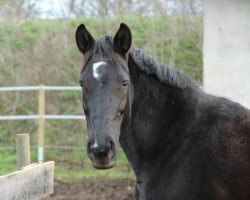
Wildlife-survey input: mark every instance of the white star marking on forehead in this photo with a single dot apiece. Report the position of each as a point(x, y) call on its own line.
point(96, 65)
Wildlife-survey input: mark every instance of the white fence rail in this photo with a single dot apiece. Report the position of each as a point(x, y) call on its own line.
point(39, 88)
point(23, 117)
point(41, 117)
point(42, 87)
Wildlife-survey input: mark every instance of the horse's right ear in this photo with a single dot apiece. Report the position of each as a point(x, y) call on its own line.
point(123, 39)
point(84, 40)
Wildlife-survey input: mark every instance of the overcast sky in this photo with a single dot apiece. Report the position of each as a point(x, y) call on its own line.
point(50, 9)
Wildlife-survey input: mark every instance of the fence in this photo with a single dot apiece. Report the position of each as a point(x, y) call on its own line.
point(41, 116)
point(31, 181)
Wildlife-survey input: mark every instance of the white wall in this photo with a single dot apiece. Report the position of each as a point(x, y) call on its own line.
point(226, 50)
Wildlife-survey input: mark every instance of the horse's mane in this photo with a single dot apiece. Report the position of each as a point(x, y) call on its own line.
point(165, 74)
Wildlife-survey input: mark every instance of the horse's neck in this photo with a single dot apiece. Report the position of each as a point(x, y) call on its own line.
point(157, 112)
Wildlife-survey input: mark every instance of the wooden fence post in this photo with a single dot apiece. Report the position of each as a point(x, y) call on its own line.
point(22, 150)
point(41, 123)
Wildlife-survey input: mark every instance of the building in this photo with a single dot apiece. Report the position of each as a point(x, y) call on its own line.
point(226, 50)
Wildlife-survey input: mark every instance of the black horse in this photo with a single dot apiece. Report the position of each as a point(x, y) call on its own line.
point(181, 142)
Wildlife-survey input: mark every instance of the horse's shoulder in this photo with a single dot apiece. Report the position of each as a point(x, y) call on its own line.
point(237, 134)
point(217, 110)
point(226, 127)
point(218, 117)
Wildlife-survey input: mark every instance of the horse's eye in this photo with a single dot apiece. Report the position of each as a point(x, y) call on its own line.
point(124, 83)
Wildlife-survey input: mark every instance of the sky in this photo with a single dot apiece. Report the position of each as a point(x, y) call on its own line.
point(51, 9)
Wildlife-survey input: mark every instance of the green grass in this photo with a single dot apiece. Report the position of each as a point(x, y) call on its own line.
point(70, 165)
point(159, 36)
point(85, 170)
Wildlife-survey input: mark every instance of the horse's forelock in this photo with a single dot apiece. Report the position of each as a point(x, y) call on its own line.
point(103, 49)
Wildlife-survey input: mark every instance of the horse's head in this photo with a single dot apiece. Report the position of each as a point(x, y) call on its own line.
point(105, 85)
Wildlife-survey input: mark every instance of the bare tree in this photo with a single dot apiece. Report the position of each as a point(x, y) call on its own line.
point(98, 8)
point(18, 9)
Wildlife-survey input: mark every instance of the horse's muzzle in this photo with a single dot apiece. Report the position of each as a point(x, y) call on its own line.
point(103, 156)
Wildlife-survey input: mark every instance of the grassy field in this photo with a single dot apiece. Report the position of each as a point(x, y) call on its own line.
point(44, 52)
point(71, 165)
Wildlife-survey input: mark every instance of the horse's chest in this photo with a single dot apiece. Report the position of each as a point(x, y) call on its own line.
point(140, 190)
point(147, 191)
point(168, 183)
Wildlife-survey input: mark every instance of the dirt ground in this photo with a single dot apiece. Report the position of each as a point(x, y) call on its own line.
point(94, 190)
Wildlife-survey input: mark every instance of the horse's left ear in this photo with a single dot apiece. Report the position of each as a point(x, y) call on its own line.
point(123, 39)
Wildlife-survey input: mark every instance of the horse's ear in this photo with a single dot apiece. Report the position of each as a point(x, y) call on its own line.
point(122, 40)
point(84, 40)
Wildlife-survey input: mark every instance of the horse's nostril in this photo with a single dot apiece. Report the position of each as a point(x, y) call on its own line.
point(112, 145)
point(88, 145)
